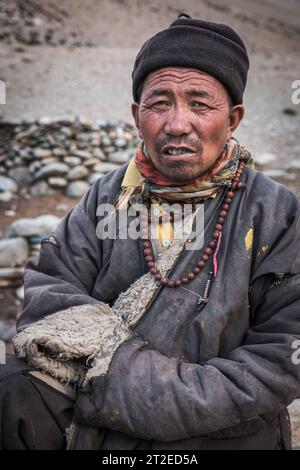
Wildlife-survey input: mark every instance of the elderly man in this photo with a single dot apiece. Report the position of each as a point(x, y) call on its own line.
point(197, 347)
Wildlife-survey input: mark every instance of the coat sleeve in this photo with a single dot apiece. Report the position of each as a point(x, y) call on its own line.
point(151, 396)
point(63, 273)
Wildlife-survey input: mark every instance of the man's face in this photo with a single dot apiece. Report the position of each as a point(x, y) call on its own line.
point(184, 118)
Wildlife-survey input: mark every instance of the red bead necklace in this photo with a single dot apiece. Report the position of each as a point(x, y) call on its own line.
point(208, 250)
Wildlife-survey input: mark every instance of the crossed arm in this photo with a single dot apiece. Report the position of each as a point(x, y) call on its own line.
point(151, 396)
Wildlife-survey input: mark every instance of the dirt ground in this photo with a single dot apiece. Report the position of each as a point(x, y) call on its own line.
point(92, 76)
point(79, 58)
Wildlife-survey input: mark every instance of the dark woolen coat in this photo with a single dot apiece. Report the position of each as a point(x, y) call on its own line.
point(215, 377)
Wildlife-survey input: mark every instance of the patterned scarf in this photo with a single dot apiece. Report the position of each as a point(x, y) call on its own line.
point(143, 180)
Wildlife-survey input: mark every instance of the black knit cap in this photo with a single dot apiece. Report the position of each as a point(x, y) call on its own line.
point(213, 48)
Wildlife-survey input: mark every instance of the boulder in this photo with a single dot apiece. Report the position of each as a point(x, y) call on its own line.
point(51, 169)
point(42, 225)
point(76, 189)
point(13, 252)
point(7, 184)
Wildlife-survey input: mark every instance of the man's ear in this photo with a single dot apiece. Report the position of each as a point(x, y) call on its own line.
point(235, 116)
point(135, 114)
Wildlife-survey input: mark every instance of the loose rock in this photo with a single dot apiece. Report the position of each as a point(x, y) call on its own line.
point(11, 273)
point(11, 277)
point(7, 331)
point(20, 174)
point(7, 184)
point(72, 161)
point(76, 189)
point(265, 158)
point(277, 173)
point(293, 165)
point(41, 153)
point(43, 225)
point(80, 172)
point(82, 154)
point(57, 182)
point(94, 177)
point(20, 293)
point(105, 167)
point(9, 212)
point(98, 153)
point(119, 157)
point(41, 189)
point(13, 252)
point(52, 169)
point(6, 196)
point(90, 162)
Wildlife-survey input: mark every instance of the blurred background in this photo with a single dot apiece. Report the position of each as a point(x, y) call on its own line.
point(65, 119)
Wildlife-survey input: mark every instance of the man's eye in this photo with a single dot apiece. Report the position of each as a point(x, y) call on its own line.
point(199, 104)
point(160, 104)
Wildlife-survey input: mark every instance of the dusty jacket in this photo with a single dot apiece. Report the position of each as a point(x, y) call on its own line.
point(210, 378)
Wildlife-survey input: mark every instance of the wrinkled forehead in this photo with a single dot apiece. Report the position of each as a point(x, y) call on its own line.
point(181, 78)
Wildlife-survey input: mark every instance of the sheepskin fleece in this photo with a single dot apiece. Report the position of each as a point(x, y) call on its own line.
point(78, 343)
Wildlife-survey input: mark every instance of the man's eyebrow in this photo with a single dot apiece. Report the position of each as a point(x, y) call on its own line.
point(166, 92)
point(198, 93)
point(157, 92)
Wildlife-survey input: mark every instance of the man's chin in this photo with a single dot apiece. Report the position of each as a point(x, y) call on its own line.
point(182, 169)
point(178, 174)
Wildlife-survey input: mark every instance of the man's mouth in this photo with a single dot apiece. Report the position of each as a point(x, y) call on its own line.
point(177, 151)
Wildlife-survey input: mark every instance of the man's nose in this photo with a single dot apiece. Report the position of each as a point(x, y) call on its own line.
point(178, 121)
